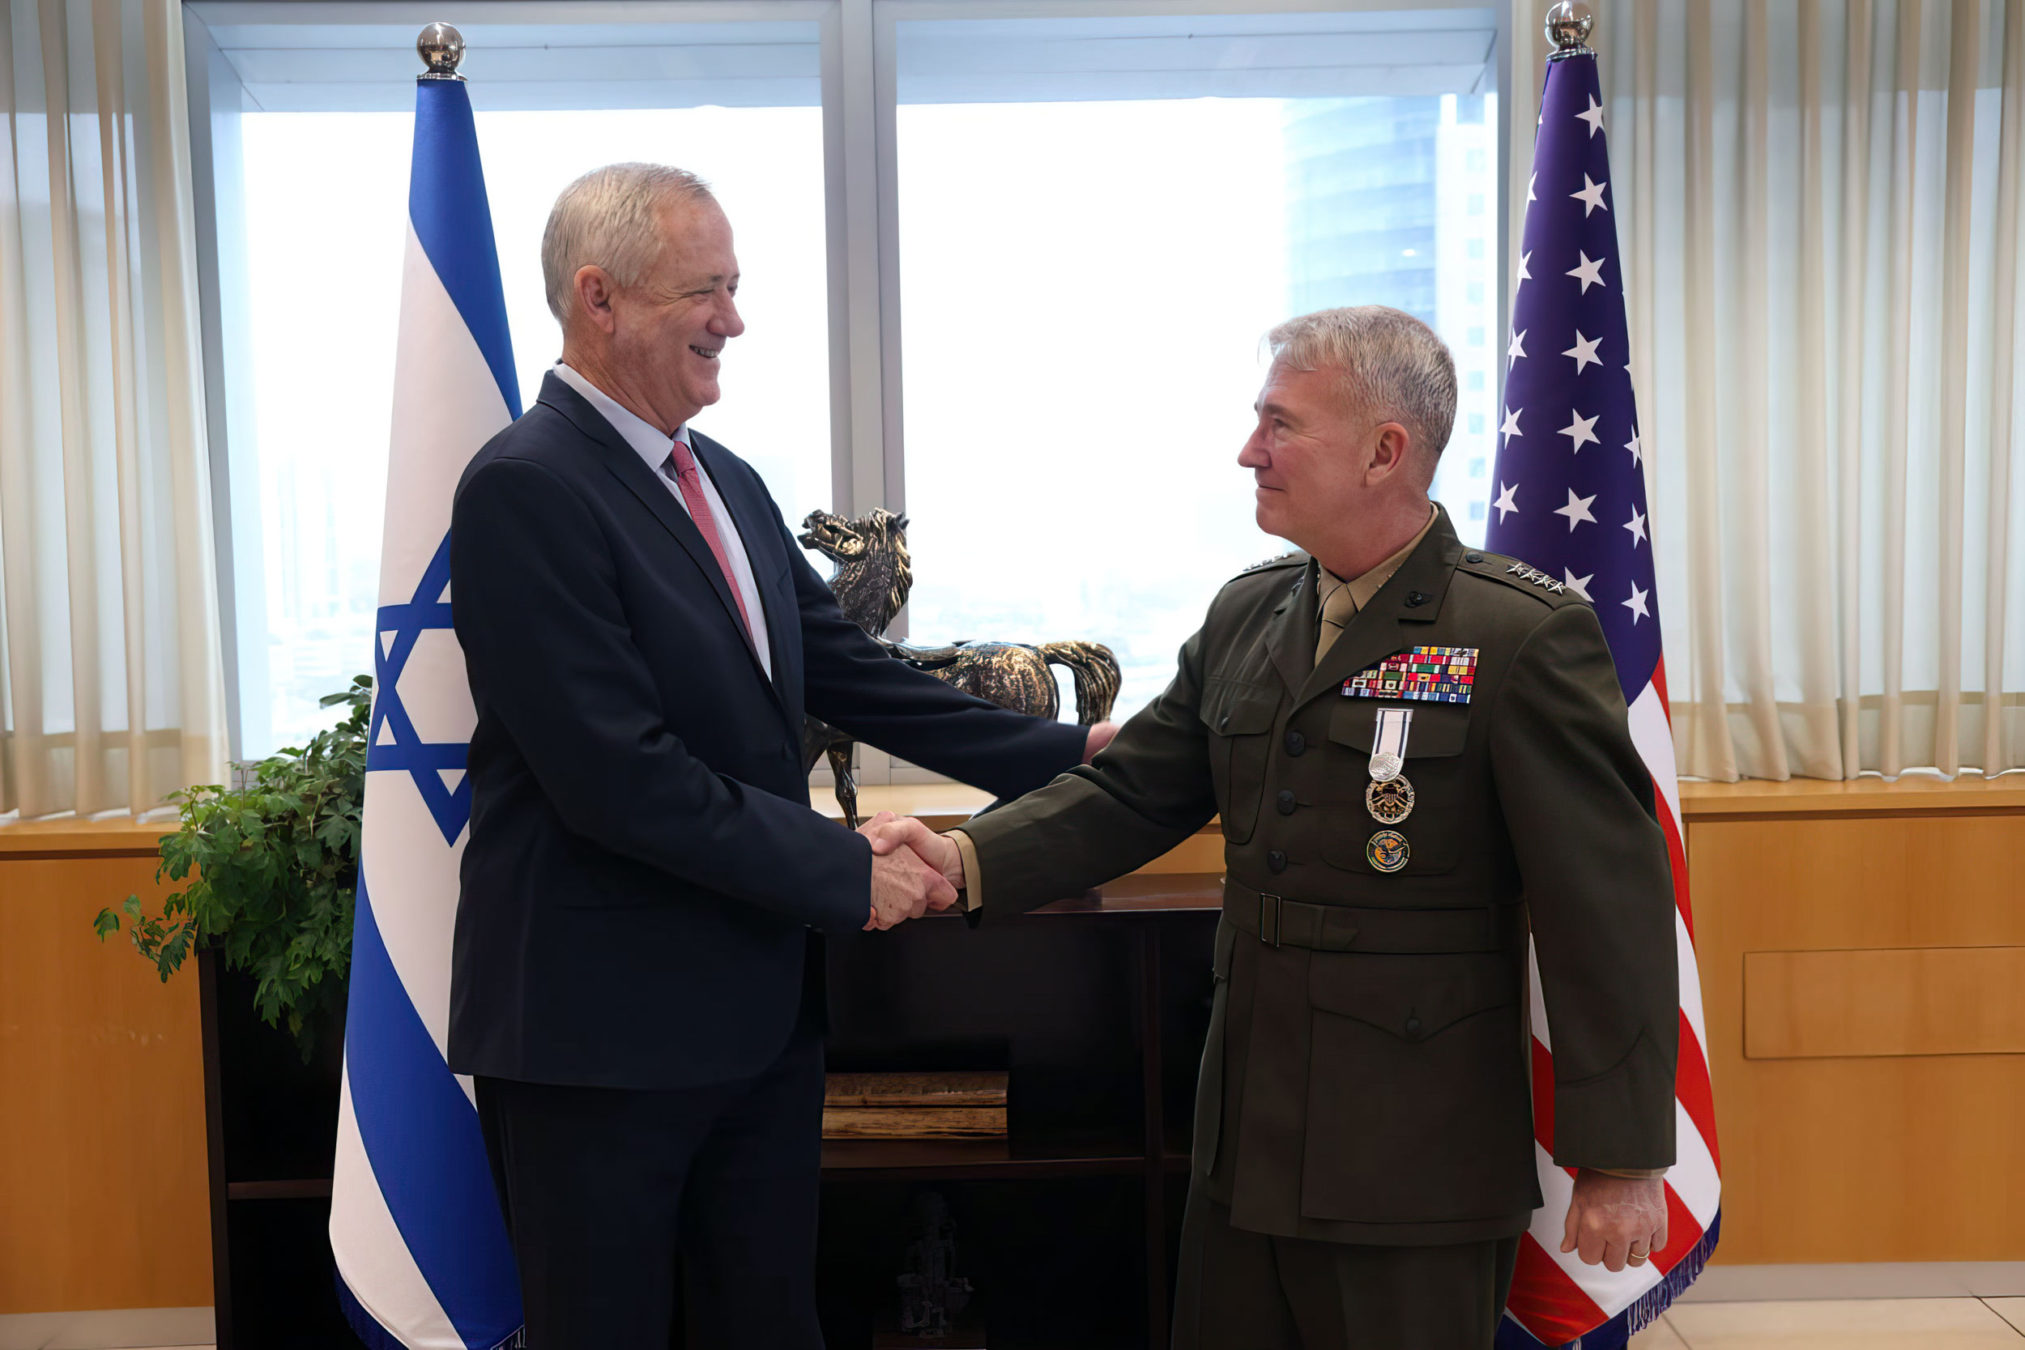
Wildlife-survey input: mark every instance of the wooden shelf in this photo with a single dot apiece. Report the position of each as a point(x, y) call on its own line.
point(1144, 893)
point(971, 1159)
point(308, 1188)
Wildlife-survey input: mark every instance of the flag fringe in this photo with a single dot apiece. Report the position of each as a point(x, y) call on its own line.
point(1616, 1333)
point(376, 1337)
point(1685, 1272)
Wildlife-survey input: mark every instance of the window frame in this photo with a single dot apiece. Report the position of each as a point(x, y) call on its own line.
point(859, 98)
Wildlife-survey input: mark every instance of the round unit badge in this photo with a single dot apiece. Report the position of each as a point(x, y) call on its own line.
point(1387, 851)
point(1389, 802)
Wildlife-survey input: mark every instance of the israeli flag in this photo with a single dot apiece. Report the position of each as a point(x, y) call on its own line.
point(421, 1248)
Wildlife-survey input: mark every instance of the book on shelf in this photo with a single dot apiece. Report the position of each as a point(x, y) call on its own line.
point(914, 1106)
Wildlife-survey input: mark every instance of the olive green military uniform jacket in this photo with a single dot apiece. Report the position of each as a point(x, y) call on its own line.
point(1367, 1073)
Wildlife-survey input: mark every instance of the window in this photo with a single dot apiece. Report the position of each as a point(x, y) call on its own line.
point(985, 274)
point(323, 190)
point(1071, 461)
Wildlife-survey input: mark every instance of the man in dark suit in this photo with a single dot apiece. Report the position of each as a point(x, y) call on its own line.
point(636, 979)
point(1418, 751)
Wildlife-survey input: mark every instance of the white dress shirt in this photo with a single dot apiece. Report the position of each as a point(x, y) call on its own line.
point(655, 447)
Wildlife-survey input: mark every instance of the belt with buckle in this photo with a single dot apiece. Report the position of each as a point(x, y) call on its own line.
point(1280, 922)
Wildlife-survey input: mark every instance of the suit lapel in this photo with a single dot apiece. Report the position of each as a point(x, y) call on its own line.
point(1290, 633)
point(625, 464)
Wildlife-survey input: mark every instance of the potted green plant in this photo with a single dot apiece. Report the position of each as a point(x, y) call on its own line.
point(271, 869)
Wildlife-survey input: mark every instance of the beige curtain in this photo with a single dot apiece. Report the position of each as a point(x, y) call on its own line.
point(1818, 206)
point(111, 683)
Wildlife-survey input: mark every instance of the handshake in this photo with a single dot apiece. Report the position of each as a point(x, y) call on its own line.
point(914, 870)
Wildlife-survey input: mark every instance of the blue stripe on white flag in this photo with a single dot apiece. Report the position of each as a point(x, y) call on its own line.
point(422, 1135)
point(446, 203)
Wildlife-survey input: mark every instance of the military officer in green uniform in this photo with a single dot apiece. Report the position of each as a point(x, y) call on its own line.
point(1419, 754)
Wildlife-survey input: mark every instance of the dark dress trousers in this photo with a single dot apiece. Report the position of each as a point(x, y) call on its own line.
point(634, 971)
point(1365, 1083)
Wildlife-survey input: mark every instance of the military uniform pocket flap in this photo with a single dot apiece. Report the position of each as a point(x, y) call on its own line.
point(1437, 729)
point(1413, 997)
point(1226, 942)
point(1239, 709)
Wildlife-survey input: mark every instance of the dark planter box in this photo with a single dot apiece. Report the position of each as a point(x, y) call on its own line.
point(272, 1126)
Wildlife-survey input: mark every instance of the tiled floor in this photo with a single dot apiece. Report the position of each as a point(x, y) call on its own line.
point(1869, 1324)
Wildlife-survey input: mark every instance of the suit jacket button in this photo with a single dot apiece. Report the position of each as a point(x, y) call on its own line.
point(1285, 801)
point(1296, 743)
point(1276, 861)
point(1413, 1028)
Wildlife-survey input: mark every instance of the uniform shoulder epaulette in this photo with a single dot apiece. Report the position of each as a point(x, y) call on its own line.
point(1520, 576)
point(1294, 559)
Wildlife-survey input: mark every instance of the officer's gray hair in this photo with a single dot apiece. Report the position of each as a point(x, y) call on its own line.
point(1387, 362)
point(607, 218)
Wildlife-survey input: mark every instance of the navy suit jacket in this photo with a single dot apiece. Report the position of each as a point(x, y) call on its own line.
point(644, 869)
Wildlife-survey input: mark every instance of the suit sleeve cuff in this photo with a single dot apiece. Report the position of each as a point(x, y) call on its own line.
point(971, 897)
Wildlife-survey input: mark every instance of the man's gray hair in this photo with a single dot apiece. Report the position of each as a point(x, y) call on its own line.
point(606, 218)
point(1386, 362)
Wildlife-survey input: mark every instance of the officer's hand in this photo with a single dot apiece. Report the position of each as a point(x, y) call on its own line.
point(1616, 1221)
point(1099, 737)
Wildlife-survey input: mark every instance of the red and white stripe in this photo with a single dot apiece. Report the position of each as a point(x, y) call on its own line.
point(1555, 1297)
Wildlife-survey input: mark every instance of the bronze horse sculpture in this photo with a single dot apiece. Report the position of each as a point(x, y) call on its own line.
point(874, 575)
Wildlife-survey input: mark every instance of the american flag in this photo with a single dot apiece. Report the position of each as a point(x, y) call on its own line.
point(1571, 502)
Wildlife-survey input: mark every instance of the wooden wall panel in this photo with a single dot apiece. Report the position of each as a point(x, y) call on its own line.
point(102, 1160)
point(1890, 1001)
point(1915, 1157)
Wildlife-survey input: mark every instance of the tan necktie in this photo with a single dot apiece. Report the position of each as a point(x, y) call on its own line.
point(1338, 606)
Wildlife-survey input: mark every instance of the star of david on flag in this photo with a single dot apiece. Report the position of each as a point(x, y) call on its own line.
point(415, 1227)
point(1570, 501)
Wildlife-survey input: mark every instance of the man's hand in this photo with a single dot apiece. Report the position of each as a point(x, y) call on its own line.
point(903, 885)
point(1099, 737)
point(1616, 1221)
point(891, 834)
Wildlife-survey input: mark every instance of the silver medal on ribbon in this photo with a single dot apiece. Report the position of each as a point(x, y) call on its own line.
point(1388, 744)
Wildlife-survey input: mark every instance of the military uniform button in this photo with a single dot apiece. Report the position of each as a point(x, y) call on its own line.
point(1276, 861)
point(1296, 742)
point(1413, 1027)
point(1415, 599)
point(1223, 723)
point(1285, 801)
point(1473, 557)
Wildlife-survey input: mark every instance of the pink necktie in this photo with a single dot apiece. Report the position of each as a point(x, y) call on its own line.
point(691, 484)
